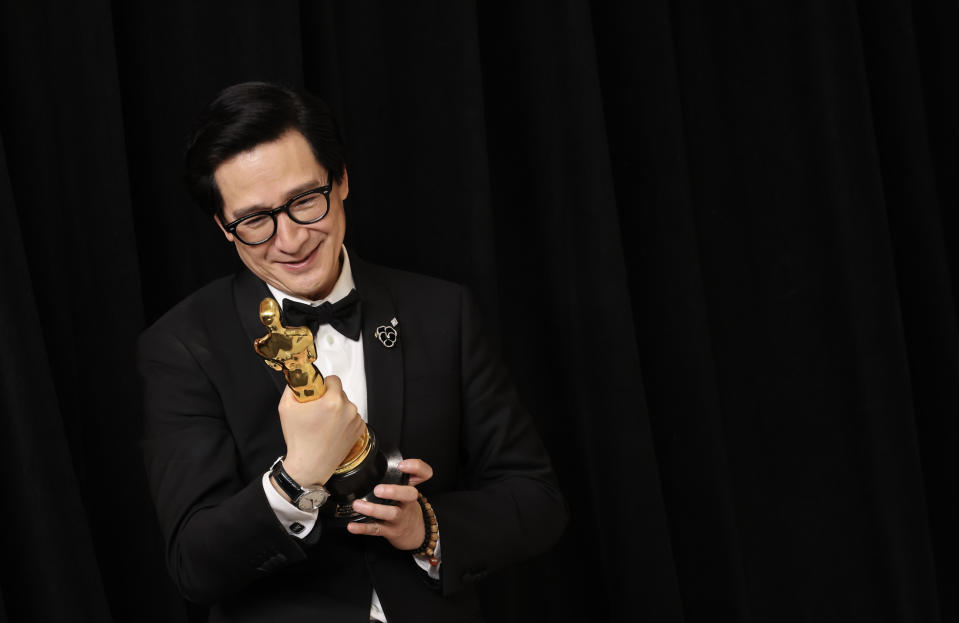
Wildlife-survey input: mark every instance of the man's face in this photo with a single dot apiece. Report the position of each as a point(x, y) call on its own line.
point(302, 260)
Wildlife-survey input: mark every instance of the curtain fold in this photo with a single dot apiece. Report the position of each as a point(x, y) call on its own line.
point(50, 569)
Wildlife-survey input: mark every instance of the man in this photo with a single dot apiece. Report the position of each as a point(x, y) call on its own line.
point(268, 165)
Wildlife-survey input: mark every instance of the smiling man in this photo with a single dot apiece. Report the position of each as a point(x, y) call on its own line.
point(304, 257)
point(243, 528)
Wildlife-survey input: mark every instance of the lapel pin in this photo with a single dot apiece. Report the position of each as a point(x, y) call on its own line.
point(387, 335)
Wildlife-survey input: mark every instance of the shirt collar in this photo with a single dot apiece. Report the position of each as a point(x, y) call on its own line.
point(344, 283)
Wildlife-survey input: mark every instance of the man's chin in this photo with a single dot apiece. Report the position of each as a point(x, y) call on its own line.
point(306, 287)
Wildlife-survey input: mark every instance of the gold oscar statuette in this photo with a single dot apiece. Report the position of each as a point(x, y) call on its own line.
point(292, 351)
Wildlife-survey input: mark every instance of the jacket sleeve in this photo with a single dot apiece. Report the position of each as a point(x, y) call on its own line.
point(220, 531)
point(511, 507)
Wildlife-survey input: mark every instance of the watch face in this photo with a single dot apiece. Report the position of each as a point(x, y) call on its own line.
point(312, 500)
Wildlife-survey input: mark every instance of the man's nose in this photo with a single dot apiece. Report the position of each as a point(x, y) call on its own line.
point(289, 235)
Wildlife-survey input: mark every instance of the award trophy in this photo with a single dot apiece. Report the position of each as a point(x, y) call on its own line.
point(292, 350)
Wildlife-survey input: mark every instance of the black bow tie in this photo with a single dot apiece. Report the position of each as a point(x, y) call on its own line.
point(344, 315)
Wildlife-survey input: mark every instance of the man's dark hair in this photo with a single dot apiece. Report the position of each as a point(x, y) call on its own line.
point(245, 115)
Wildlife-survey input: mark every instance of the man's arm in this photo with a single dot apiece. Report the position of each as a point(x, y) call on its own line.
point(511, 507)
point(220, 531)
point(507, 505)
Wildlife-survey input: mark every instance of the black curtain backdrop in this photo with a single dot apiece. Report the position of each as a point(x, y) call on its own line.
point(718, 242)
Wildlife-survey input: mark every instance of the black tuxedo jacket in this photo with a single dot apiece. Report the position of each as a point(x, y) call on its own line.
point(211, 431)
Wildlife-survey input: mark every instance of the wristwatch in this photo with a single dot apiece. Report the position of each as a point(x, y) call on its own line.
point(304, 499)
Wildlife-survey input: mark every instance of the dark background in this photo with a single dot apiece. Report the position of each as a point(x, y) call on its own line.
point(719, 243)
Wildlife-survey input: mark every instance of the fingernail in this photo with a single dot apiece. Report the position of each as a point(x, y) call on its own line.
point(379, 490)
point(401, 464)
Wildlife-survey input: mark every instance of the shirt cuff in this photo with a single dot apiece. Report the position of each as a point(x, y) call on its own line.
point(297, 522)
point(424, 563)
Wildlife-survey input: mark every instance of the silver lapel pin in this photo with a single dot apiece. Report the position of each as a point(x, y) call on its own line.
point(387, 335)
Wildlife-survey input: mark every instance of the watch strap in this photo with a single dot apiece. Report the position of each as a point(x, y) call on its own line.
point(289, 486)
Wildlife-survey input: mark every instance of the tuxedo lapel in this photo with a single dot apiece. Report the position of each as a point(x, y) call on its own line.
point(384, 366)
point(248, 291)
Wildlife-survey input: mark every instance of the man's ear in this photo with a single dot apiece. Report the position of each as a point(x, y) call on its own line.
point(343, 186)
point(226, 234)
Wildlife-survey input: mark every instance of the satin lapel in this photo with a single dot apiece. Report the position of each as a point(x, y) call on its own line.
point(384, 366)
point(248, 291)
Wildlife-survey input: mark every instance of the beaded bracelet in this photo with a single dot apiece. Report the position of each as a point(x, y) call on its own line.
point(432, 531)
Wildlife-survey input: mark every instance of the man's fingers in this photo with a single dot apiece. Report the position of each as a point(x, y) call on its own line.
point(398, 493)
point(376, 511)
point(370, 528)
point(418, 469)
point(402, 525)
point(333, 382)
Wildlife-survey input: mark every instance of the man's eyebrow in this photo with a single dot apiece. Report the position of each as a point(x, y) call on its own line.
point(263, 208)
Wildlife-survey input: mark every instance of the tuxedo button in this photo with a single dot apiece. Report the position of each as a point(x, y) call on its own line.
point(330, 340)
point(296, 527)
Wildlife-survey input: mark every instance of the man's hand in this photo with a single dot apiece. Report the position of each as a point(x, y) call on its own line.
point(319, 433)
point(401, 525)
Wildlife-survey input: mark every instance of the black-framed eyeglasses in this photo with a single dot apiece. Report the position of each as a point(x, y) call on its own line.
point(305, 208)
